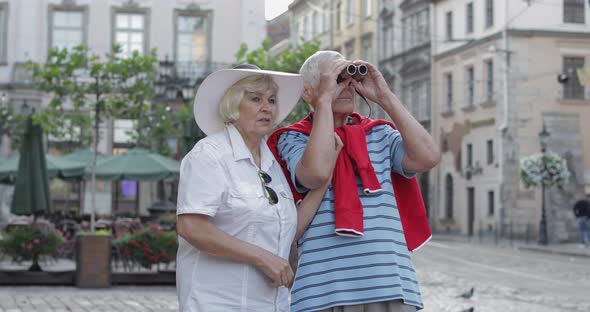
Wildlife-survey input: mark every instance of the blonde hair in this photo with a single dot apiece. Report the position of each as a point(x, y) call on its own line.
point(229, 106)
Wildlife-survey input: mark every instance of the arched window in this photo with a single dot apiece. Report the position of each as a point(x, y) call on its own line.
point(449, 198)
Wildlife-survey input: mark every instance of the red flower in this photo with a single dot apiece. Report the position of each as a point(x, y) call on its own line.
point(29, 246)
point(36, 241)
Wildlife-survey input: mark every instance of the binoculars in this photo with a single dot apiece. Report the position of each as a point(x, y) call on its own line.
point(357, 72)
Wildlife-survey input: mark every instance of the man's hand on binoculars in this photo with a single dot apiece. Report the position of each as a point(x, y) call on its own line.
point(373, 86)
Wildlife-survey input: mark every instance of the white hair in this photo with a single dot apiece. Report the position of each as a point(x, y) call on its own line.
point(310, 70)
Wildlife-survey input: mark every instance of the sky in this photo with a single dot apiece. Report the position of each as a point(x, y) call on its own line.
point(274, 8)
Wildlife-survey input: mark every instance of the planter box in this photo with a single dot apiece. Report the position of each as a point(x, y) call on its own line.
point(23, 277)
point(145, 278)
point(93, 261)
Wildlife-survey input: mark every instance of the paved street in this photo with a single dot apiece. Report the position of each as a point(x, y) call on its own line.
point(504, 279)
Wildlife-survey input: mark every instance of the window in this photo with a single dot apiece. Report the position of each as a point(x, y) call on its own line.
point(490, 151)
point(305, 33)
point(470, 92)
point(572, 89)
point(407, 33)
point(573, 11)
point(491, 203)
point(192, 38)
point(367, 7)
point(130, 33)
point(388, 38)
point(338, 15)
point(415, 29)
point(315, 24)
point(67, 30)
point(368, 49)
point(350, 50)
point(326, 18)
point(414, 89)
point(422, 29)
point(423, 101)
point(469, 154)
point(449, 89)
point(489, 13)
point(297, 32)
point(350, 13)
point(449, 23)
point(3, 30)
point(489, 80)
point(469, 16)
point(449, 198)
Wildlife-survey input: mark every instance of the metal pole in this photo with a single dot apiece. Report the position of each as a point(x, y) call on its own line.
point(543, 238)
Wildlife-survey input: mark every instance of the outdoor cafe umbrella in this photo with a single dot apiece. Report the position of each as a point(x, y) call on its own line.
point(139, 164)
point(56, 167)
point(136, 164)
point(31, 189)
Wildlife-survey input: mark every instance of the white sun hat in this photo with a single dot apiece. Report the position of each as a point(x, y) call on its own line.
point(212, 89)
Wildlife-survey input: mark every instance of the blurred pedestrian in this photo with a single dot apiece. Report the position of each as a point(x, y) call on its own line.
point(355, 254)
point(236, 217)
point(582, 213)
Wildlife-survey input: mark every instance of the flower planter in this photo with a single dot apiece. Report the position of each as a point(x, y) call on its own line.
point(93, 261)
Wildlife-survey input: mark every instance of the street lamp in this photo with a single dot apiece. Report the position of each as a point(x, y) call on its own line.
point(543, 138)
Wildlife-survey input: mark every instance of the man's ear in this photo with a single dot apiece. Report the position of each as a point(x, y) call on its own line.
point(307, 92)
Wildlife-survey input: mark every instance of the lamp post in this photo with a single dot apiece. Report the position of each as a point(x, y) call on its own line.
point(170, 90)
point(543, 237)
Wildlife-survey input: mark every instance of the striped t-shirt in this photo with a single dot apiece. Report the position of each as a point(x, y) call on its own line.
point(337, 270)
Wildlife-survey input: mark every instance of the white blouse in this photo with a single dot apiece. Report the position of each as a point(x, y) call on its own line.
point(219, 178)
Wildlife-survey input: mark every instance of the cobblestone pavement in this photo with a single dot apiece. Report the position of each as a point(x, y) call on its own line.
point(505, 279)
point(61, 299)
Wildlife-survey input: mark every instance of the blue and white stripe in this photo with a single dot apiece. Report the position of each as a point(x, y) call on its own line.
point(336, 270)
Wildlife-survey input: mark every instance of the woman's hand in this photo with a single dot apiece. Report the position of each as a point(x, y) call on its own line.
point(276, 268)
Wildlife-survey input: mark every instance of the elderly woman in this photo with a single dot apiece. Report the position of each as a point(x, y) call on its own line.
point(236, 215)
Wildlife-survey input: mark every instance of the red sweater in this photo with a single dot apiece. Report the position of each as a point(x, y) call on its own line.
point(349, 219)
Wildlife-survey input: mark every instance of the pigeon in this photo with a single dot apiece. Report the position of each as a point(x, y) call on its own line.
point(467, 294)
point(469, 309)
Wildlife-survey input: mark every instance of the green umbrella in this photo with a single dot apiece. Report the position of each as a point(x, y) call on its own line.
point(56, 167)
point(137, 164)
point(31, 190)
point(83, 156)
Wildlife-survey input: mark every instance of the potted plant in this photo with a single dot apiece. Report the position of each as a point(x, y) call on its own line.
point(548, 169)
point(149, 249)
point(25, 242)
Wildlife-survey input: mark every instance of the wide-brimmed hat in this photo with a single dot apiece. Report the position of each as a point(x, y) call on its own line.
point(206, 105)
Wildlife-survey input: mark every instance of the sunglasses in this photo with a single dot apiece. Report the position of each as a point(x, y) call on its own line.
point(270, 193)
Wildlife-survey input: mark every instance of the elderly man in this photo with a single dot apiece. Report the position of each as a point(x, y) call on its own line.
point(354, 256)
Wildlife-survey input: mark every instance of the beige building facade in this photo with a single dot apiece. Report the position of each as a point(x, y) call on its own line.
point(500, 74)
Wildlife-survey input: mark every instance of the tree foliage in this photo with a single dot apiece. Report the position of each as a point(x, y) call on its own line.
point(82, 84)
point(289, 60)
point(12, 125)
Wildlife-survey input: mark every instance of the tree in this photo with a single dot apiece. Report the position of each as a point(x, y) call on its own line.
point(92, 89)
point(290, 61)
point(12, 125)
